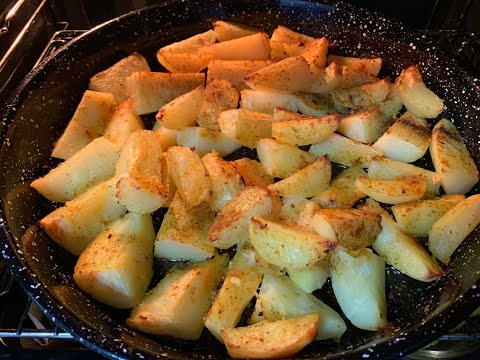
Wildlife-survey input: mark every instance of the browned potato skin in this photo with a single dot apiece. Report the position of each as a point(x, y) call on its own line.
point(234, 71)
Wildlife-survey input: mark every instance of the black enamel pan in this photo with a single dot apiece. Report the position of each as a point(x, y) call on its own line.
point(44, 102)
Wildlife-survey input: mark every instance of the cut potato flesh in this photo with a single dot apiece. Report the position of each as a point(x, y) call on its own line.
point(225, 180)
point(407, 140)
point(271, 340)
point(299, 211)
point(358, 281)
point(287, 245)
point(178, 304)
point(183, 62)
point(280, 298)
point(73, 139)
point(356, 76)
point(231, 224)
point(282, 160)
point(182, 111)
point(342, 192)
point(116, 267)
point(149, 91)
point(220, 96)
point(306, 182)
point(305, 131)
point(234, 71)
point(252, 47)
point(252, 172)
point(183, 234)
point(325, 80)
point(81, 220)
point(245, 127)
point(315, 105)
point(286, 43)
point(383, 168)
point(206, 140)
point(311, 278)
point(345, 151)
point(112, 80)
point(192, 43)
point(316, 52)
point(291, 75)
point(352, 228)
point(123, 122)
point(393, 191)
point(362, 96)
point(267, 101)
point(451, 229)
point(416, 96)
point(451, 159)
point(88, 167)
point(168, 138)
point(189, 175)
point(372, 66)
point(226, 30)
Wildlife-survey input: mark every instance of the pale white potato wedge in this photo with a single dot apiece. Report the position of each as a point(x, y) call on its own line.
point(325, 80)
point(311, 278)
point(116, 267)
point(178, 304)
point(239, 287)
point(81, 220)
point(168, 138)
point(220, 96)
point(345, 151)
point(363, 95)
point(287, 245)
point(451, 159)
point(112, 80)
point(182, 111)
point(358, 281)
point(149, 91)
point(417, 218)
point(193, 43)
point(231, 224)
point(271, 340)
point(305, 131)
point(416, 97)
point(396, 191)
point(282, 160)
point(183, 234)
point(299, 211)
point(280, 298)
point(123, 122)
point(252, 172)
point(142, 188)
point(291, 75)
point(225, 180)
point(407, 140)
point(267, 101)
point(316, 52)
point(251, 47)
point(402, 251)
point(352, 228)
point(356, 76)
point(245, 127)
point(372, 66)
point(88, 121)
point(227, 30)
point(383, 168)
point(316, 105)
point(234, 71)
point(286, 43)
point(342, 192)
point(451, 229)
point(306, 182)
point(183, 62)
point(206, 140)
point(189, 175)
point(90, 166)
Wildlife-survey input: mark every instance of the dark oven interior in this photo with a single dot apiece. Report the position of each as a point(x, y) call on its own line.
point(30, 30)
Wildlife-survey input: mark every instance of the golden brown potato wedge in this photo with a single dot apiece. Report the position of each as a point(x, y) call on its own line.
point(178, 304)
point(112, 80)
point(183, 62)
point(326, 80)
point(116, 267)
point(287, 245)
point(417, 98)
point(286, 43)
point(299, 211)
point(220, 96)
point(206, 140)
point(227, 30)
point(316, 52)
point(362, 96)
point(123, 122)
point(282, 160)
point(234, 71)
point(395, 191)
point(451, 159)
point(168, 138)
point(345, 151)
point(231, 224)
point(252, 172)
point(251, 47)
point(315, 105)
point(267, 101)
point(451, 229)
point(352, 228)
point(271, 340)
point(193, 43)
point(356, 76)
point(372, 66)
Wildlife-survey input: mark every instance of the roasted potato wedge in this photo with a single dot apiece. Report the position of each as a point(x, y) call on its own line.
point(267, 101)
point(363, 95)
point(316, 52)
point(311, 278)
point(123, 122)
point(316, 105)
point(234, 71)
point(299, 211)
point(73, 139)
point(168, 138)
point(372, 66)
point(326, 80)
point(251, 47)
point(227, 30)
point(393, 191)
point(193, 43)
point(206, 140)
point(356, 76)
point(252, 172)
point(286, 43)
